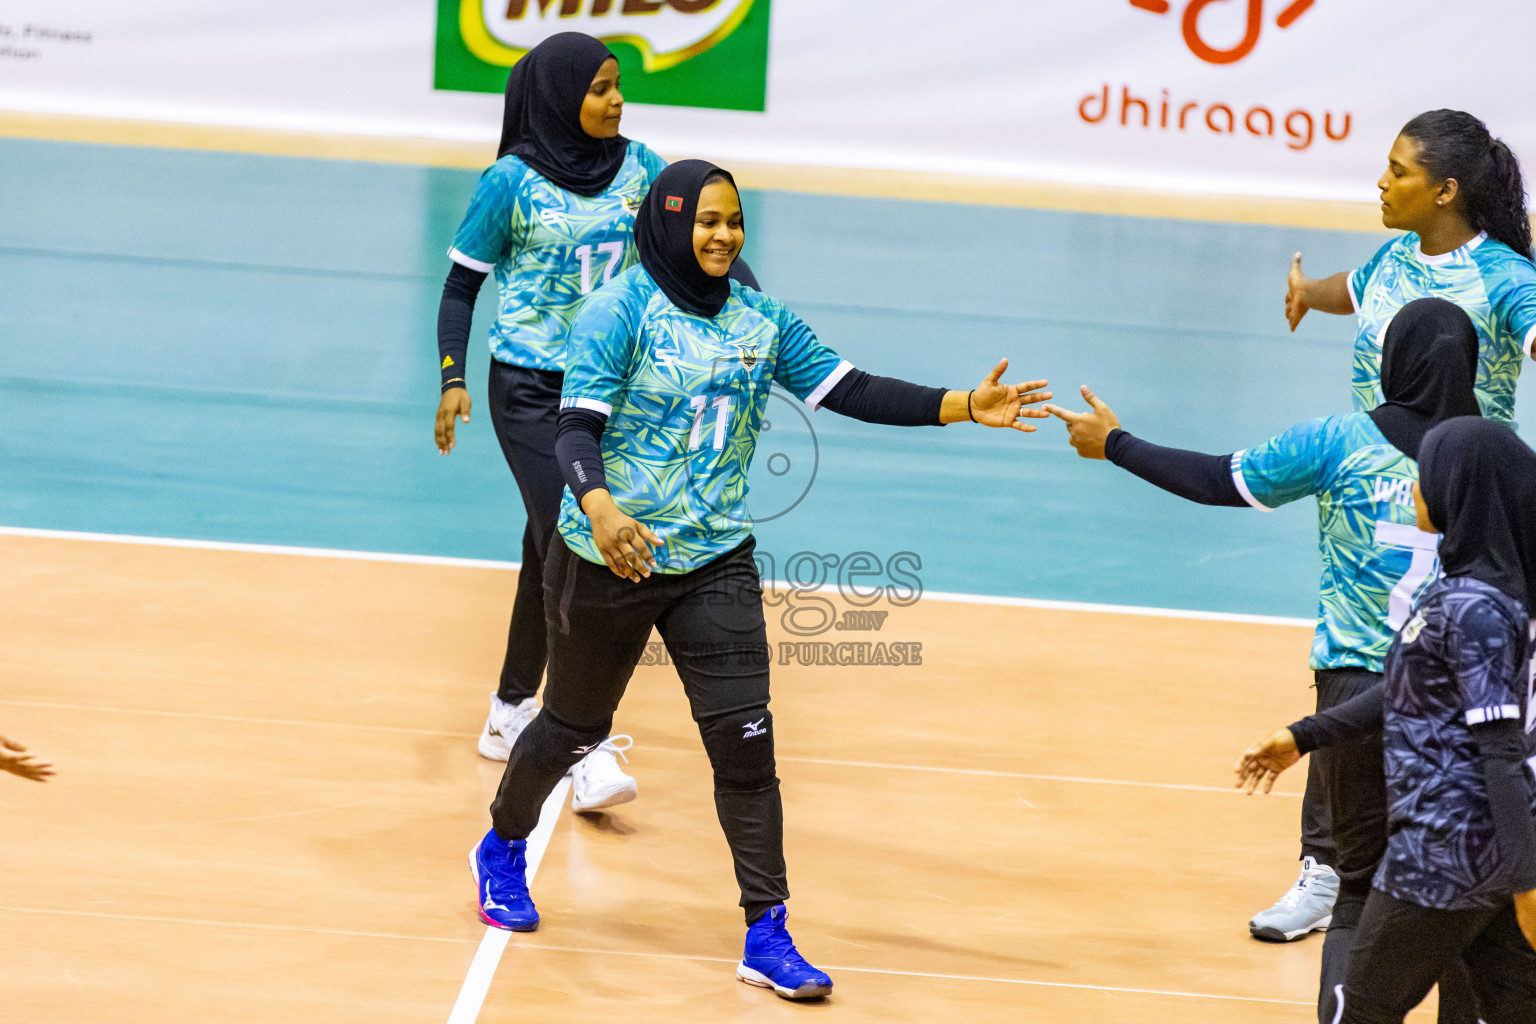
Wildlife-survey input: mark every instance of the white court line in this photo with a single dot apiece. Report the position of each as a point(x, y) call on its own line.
point(466, 1009)
point(483, 563)
point(834, 762)
point(593, 951)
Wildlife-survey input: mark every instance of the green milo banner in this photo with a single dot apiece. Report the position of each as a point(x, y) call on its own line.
point(683, 53)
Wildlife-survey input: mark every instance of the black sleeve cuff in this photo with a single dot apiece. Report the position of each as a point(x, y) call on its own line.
point(455, 313)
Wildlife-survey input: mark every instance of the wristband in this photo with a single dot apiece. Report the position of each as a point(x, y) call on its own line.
point(968, 412)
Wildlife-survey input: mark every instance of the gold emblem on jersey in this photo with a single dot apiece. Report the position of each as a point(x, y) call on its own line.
point(1414, 627)
point(748, 354)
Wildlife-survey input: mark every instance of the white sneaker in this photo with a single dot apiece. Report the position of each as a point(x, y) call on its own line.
point(1306, 906)
point(597, 780)
point(503, 725)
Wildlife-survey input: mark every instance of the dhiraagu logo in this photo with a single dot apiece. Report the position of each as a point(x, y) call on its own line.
point(689, 53)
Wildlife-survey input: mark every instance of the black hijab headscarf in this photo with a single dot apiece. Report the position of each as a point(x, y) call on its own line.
point(541, 121)
point(1428, 368)
point(664, 236)
point(1479, 482)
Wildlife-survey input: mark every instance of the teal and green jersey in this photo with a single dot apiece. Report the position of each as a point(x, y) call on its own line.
point(684, 396)
point(1376, 561)
point(1494, 284)
point(549, 249)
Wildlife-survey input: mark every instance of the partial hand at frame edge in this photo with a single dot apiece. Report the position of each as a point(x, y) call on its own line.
point(624, 542)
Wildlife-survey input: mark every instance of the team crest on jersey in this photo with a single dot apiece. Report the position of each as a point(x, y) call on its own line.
point(748, 353)
point(631, 201)
point(1413, 628)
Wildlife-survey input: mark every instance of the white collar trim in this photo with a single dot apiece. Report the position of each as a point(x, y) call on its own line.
point(1446, 257)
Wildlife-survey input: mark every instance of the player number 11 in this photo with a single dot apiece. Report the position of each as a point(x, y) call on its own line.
point(722, 419)
point(615, 251)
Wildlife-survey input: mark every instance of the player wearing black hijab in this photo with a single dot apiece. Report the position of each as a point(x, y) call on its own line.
point(552, 219)
point(1458, 883)
point(667, 378)
point(1361, 468)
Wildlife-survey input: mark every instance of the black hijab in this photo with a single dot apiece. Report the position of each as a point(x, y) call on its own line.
point(1428, 367)
point(664, 236)
point(541, 121)
point(1479, 482)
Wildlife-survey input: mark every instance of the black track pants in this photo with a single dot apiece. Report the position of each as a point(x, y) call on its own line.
point(711, 620)
point(1402, 948)
point(524, 404)
point(1353, 780)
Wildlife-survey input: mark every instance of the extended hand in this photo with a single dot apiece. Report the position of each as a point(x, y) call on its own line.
point(1088, 431)
point(1525, 915)
point(1295, 293)
point(1263, 762)
point(995, 404)
point(15, 758)
point(454, 403)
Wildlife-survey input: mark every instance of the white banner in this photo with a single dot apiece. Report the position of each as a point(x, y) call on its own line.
point(1268, 97)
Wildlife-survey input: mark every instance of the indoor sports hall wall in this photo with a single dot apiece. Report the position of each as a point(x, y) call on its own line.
point(241, 348)
point(1268, 97)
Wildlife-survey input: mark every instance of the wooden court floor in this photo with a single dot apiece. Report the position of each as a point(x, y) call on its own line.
point(267, 786)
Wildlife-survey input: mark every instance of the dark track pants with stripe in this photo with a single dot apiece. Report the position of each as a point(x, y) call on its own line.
point(1401, 949)
point(1354, 784)
point(711, 621)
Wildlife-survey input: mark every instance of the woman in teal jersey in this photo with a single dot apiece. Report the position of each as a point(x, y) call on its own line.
point(1361, 468)
point(667, 378)
point(1457, 193)
point(552, 219)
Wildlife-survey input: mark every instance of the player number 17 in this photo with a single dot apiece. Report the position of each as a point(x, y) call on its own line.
point(615, 252)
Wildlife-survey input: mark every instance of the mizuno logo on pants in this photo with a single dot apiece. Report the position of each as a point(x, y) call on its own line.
point(750, 729)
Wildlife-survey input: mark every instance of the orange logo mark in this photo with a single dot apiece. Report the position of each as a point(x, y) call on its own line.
point(1200, 48)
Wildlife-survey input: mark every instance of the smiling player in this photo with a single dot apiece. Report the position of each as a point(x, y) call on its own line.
point(667, 377)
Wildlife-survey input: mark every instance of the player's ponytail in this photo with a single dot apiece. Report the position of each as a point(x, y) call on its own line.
point(1454, 144)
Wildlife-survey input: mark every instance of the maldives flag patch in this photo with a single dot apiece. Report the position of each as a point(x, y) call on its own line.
point(675, 203)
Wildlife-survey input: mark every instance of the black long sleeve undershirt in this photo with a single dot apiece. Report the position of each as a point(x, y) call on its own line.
point(1356, 718)
point(1206, 479)
point(455, 312)
point(579, 450)
point(886, 400)
point(1501, 758)
point(1501, 751)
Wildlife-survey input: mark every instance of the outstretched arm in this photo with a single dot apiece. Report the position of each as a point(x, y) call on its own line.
point(1194, 476)
point(887, 400)
point(1326, 294)
point(1262, 763)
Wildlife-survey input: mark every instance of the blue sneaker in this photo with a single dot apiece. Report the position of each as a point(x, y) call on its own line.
point(772, 961)
point(501, 874)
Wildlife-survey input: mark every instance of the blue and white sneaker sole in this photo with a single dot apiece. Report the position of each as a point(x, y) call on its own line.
point(1269, 934)
point(810, 990)
point(474, 869)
